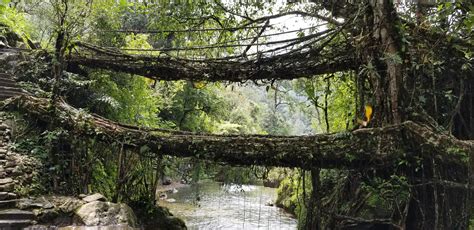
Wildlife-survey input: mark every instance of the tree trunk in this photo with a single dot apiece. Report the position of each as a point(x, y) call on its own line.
point(57, 68)
point(313, 209)
point(385, 58)
point(119, 180)
point(431, 202)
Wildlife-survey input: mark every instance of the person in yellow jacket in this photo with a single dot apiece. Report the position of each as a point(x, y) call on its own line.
point(368, 110)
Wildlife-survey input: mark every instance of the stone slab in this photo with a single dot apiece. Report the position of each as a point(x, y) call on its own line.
point(6, 180)
point(94, 197)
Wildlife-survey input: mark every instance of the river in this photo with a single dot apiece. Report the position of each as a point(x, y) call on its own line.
point(211, 205)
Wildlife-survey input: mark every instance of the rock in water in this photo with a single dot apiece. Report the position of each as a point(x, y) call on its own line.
point(270, 203)
point(163, 196)
point(94, 197)
point(98, 213)
point(166, 181)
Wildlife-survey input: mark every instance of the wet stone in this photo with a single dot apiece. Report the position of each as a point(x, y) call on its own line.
point(11, 164)
point(6, 187)
point(11, 195)
point(3, 195)
point(28, 180)
point(17, 171)
point(6, 180)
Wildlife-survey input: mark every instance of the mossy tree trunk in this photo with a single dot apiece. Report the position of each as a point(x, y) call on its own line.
point(385, 66)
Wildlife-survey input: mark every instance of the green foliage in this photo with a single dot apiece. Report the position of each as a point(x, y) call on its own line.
point(103, 175)
point(105, 17)
point(293, 192)
point(386, 195)
point(239, 175)
point(15, 21)
point(335, 94)
point(380, 197)
point(33, 145)
point(124, 98)
point(193, 109)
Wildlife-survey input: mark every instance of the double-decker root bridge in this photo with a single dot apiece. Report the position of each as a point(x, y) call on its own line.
point(376, 148)
point(439, 167)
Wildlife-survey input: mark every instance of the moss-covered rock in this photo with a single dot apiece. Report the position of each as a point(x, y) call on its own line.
point(156, 218)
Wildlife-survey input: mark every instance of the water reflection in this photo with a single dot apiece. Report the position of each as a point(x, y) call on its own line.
point(211, 205)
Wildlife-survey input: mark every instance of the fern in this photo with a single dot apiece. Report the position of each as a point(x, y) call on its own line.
point(108, 100)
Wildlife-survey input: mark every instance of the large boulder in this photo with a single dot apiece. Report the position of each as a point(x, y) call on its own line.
point(69, 204)
point(52, 210)
point(99, 213)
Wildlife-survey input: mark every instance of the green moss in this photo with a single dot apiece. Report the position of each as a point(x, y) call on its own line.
point(291, 194)
point(28, 144)
point(155, 217)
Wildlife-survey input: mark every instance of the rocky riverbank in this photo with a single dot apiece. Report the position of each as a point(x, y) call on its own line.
point(19, 176)
point(92, 210)
point(20, 179)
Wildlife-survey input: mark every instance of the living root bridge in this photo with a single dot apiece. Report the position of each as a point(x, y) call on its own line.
point(286, 66)
point(377, 148)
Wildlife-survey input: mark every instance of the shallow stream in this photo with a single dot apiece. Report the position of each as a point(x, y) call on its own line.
point(211, 205)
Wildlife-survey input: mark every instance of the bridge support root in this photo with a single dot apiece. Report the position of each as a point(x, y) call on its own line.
point(440, 199)
point(313, 209)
